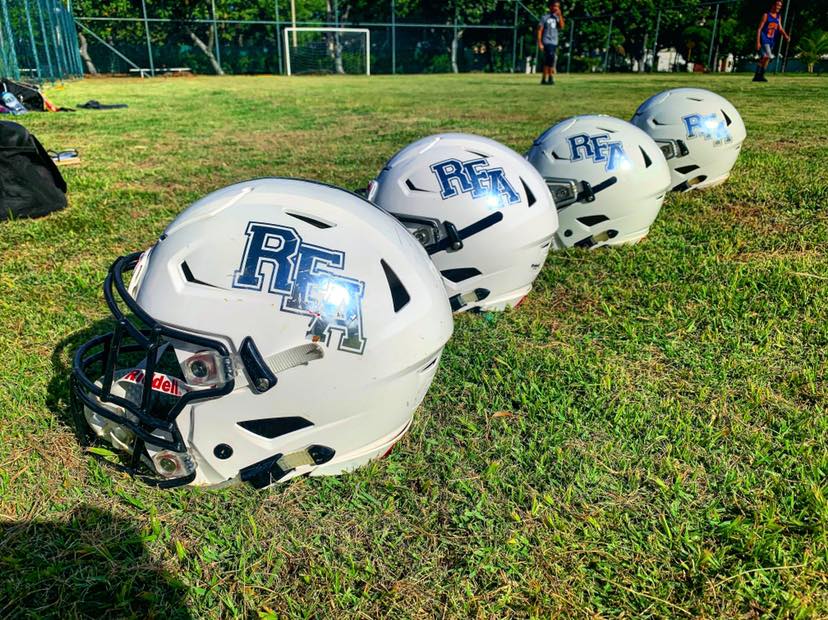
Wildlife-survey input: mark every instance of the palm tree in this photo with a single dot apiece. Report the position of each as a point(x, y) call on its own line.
point(812, 48)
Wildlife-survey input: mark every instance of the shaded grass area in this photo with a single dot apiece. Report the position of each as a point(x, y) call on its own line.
point(645, 437)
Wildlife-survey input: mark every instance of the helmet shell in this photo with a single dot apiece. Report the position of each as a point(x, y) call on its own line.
point(707, 125)
point(290, 264)
point(617, 165)
point(464, 179)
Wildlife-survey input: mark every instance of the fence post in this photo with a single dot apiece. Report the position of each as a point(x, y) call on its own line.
point(61, 40)
point(788, 44)
point(52, 31)
point(644, 52)
point(514, 38)
point(12, 54)
point(712, 38)
point(655, 41)
point(45, 41)
point(32, 40)
point(278, 37)
point(609, 35)
point(569, 51)
point(72, 35)
point(455, 65)
point(149, 43)
point(393, 38)
point(779, 49)
point(215, 31)
point(67, 28)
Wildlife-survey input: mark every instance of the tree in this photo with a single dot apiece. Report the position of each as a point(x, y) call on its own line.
point(812, 48)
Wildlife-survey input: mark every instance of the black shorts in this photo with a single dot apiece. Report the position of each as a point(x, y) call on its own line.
point(549, 52)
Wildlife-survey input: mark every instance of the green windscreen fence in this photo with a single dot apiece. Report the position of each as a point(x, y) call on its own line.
point(38, 41)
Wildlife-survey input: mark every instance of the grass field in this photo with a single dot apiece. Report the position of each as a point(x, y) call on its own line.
point(644, 437)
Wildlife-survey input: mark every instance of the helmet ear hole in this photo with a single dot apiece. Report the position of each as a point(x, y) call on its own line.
point(728, 122)
point(530, 197)
point(647, 161)
point(399, 296)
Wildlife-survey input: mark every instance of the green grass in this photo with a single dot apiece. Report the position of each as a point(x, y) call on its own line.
point(645, 437)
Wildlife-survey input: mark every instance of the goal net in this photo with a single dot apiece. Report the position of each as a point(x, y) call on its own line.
point(328, 50)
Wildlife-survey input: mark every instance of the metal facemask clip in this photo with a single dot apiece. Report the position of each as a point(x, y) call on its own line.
point(673, 148)
point(207, 368)
point(432, 233)
point(568, 191)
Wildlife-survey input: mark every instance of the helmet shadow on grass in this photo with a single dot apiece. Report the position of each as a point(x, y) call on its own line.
point(92, 565)
point(58, 392)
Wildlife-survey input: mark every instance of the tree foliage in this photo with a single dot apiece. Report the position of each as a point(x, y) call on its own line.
point(188, 37)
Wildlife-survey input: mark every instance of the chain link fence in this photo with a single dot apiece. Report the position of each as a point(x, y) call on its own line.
point(38, 41)
point(710, 36)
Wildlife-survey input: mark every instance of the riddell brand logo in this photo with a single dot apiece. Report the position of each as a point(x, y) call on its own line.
point(160, 383)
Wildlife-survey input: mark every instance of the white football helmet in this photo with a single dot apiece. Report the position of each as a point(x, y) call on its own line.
point(608, 179)
point(278, 327)
point(700, 133)
point(482, 213)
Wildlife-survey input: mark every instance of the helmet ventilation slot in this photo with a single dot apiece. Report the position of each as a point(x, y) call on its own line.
point(189, 277)
point(529, 195)
point(309, 220)
point(399, 296)
point(687, 169)
point(460, 274)
point(429, 365)
point(647, 161)
point(728, 122)
point(592, 220)
point(271, 428)
point(413, 187)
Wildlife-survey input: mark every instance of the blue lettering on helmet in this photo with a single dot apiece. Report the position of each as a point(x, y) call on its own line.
point(275, 260)
point(474, 177)
point(599, 149)
point(707, 126)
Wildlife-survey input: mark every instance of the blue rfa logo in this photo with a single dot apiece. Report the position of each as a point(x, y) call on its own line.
point(475, 178)
point(707, 126)
point(276, 260)
point(599, 149)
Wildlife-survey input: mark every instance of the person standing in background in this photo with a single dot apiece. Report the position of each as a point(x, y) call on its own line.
point(769, 28)
point(548, 40)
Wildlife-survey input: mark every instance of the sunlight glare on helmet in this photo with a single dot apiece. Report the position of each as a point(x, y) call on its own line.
point(336, 295)
point(493, 200)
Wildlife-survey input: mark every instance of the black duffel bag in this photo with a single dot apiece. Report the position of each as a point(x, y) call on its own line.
point(30, 183)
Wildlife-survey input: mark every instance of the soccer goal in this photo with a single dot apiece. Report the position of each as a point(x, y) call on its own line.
point(328, 50)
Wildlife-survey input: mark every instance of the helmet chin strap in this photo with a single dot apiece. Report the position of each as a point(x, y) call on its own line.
point(270, 470)
point(455, 236)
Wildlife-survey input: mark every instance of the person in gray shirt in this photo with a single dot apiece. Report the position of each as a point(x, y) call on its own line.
point(548, 40)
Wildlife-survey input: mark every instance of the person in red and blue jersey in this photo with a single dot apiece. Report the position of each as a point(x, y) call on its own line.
point(769, 28)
